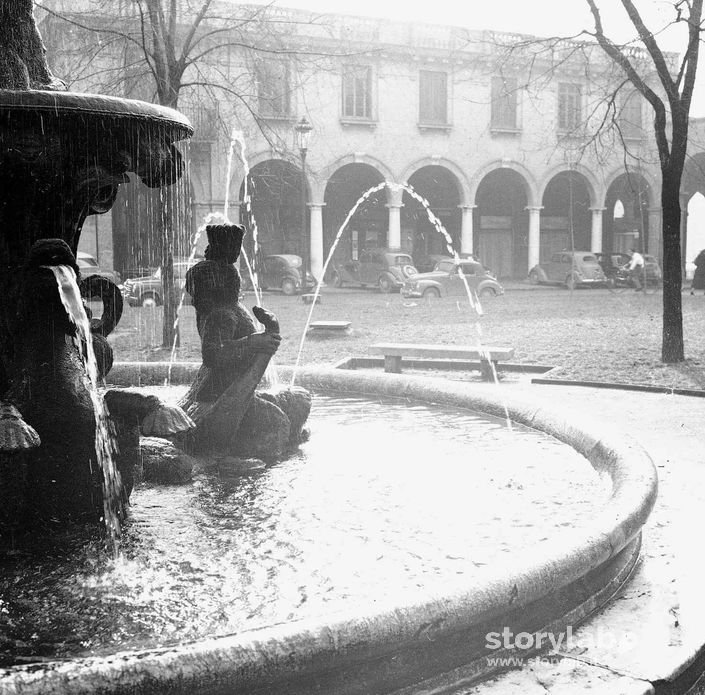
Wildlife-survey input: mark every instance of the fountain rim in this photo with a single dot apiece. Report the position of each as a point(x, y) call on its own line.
point(315, 647)
point(61, 103)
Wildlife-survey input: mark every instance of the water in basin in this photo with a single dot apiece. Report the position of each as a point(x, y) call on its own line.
point(386, 497)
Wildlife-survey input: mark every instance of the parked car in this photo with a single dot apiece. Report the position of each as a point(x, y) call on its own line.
point(380, 268)
point(148, 291)
point(425, 264)
point(88, 265)
point(449, 280)
point(611, 263)
point(569, 268)
point(281, 271)
point(615, 267)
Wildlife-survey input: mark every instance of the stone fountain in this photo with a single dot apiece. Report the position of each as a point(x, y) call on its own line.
point(62, 157)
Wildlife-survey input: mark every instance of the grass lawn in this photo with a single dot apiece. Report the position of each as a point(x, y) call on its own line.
point(591, 335)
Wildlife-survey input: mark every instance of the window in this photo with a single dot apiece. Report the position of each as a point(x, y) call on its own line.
point(630, 122)
point(468, 269)
point(273, 92)
point(357, 92)
point(504, 103)
point(433, 97)
point(569, 106)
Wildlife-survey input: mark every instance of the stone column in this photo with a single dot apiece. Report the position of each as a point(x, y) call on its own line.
point(394, 234)
point(596, 232)
point(534, 235)
point(466, 230)
point(234, 211)
point(316, 236)
point(655, 246)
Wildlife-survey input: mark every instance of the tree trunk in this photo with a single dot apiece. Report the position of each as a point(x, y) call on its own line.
point(672, 341)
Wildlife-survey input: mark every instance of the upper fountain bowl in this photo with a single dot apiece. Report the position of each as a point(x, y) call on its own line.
point(63, 156)
point(115, 132)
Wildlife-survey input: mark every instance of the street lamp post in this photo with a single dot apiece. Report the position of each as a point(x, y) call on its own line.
point(302, 132)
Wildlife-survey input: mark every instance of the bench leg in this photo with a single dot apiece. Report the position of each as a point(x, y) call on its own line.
point(392, 363)
point(489, 370)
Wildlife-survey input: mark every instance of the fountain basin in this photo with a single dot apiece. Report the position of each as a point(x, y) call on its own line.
point(427, 635)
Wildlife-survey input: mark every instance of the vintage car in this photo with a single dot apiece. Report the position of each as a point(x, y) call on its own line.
point(569, 268)
point(280, 271)
point(427, 263)
point(380, 268)
point(88, 265)
point(147, 291)
point(615, 267)
point(452, 278)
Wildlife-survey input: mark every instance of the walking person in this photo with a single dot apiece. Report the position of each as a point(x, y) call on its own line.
point(699, 275)
point(636, 269)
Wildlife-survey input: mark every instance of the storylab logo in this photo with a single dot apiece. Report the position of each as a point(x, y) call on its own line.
point(561, 642)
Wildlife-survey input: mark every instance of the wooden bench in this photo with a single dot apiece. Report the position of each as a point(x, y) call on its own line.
point(329, 325)
point(488, 356)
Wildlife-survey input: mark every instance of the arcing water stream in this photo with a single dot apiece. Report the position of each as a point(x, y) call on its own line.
point(438, 225)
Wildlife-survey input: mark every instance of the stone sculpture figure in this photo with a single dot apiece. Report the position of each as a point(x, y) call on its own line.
point(49, 473)
point(231, 416)
point(63, 157)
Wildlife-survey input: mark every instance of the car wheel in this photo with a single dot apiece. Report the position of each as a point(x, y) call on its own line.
point(534, 277)
point(288, 287)
point(431, 293)
point(385, 284)
point(150, 301)
point(336, 280)
point(488, 292)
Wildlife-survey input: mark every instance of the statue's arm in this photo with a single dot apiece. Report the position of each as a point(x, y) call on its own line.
point(221, 351)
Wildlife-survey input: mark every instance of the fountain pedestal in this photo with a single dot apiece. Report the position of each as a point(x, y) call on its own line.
point(62, 157)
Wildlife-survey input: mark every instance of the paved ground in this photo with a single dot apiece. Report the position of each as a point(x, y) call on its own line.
point(589, 335)
point(659, 618)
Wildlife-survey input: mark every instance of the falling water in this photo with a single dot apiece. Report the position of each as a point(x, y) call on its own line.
point(319, 284)
point(237, 137)
point(472, 296)
point(270, 376)
point(182, 298)
point(104, 437)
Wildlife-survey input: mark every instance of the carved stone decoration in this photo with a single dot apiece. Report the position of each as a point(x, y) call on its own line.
point(62, 157)
point(232, 416)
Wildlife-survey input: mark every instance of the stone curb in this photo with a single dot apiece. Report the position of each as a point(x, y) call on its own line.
point(698, 393)
point(382, 647)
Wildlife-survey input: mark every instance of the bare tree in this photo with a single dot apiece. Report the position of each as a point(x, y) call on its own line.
point(665, 80)
point(671, 120)
point(181, 53)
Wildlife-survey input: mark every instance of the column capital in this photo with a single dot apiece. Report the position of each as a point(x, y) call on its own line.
point(394, 205)
point(534, 208)
point(467, 207)
point(596, 209)
point(316, 206)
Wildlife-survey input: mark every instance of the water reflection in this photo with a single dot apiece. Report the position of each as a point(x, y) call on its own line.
point(386, 497)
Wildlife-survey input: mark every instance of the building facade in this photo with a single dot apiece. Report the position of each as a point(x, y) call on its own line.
point(425, 138)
